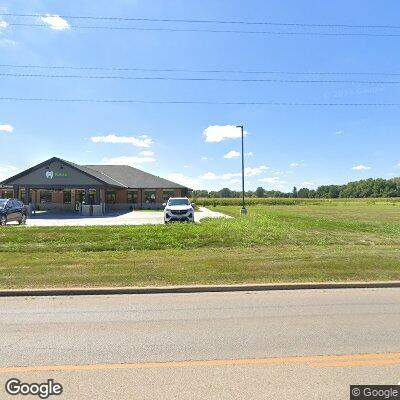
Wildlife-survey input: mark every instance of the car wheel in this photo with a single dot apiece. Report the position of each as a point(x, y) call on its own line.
point(3, 220)
point(22, 221)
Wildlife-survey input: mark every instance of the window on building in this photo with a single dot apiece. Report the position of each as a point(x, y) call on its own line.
point(111, 197)
point(7, 194)
point(79, 196)
point(67, 197)
point(149, 196)
point(132, 196)
point(22, 196)
point(167, 194)
point(92, 196)
point(45, 196)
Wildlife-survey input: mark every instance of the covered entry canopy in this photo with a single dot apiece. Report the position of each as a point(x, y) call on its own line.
point(63, 183)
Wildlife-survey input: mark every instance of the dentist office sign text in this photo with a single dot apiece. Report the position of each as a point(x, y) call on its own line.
point(52, 174)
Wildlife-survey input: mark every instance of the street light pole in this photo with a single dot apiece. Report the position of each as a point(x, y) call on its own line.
point(243, 209)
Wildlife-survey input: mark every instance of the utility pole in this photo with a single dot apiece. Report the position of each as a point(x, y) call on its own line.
point(243, 210)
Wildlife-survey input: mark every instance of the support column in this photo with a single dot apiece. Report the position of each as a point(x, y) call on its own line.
point(98, 195)
point(15, 192)
point(159, 196)
point(86, 196)
point(26, 200)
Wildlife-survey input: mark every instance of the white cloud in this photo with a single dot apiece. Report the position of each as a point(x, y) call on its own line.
point(209, 176)
point(274, 182)
point(297, 164)
point(309, 185)
point(218, 133)
point(147, 153)
point(6, 171)
point(255, 171)
point(398, 165)
point(232, 154)
point(129, 160)
point(339, 133)
point(277, 172)
point(188, 181)
point(141, 141)
point(3, 24)
point(4, 42)
point(6, 128)
point(360, 168)
point(55, 22)
point(271, 179)
point(204, 158)
point(249, 154)
point(249, 172)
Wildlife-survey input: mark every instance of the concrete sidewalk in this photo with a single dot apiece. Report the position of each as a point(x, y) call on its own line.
point(128, 218)
point(255, 287)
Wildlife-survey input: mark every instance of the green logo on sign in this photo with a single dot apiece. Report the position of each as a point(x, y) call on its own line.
point(60, 174)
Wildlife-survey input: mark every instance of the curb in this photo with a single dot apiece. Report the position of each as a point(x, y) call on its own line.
point(195, 289)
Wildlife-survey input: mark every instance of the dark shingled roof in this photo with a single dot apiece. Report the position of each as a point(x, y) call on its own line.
point(133, 178)
point(122, 176)
point(94, 173)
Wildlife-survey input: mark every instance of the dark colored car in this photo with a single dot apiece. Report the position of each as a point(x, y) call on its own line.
point(12, 210)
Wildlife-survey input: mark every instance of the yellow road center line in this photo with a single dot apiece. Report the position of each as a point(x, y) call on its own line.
point(355, 363)
point(312, 361)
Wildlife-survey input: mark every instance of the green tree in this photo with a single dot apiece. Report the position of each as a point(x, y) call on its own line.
point(303, 193)
point(225, 192)
point(260, 192)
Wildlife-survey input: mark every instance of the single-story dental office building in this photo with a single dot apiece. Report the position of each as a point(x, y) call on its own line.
point(63, 185)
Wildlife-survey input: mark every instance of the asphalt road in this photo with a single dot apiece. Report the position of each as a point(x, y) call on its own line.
point(309, 344)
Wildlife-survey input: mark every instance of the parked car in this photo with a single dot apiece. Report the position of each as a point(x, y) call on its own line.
point(178, 209)
point(12, 210)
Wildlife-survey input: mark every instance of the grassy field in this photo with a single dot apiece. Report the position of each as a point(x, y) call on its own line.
point(325, 241)
point(275, 201)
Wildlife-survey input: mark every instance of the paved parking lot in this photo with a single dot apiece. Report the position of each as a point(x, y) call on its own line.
point(128, 218)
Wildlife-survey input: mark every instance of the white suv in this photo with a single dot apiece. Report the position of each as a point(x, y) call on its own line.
point(178, 209)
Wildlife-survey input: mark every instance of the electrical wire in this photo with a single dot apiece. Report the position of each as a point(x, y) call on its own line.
point(206, 71)
point(205, 21)
point(190, 102)
point(168, 78)
point(130, 28)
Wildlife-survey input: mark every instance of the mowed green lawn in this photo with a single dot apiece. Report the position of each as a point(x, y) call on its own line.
point(280, 243)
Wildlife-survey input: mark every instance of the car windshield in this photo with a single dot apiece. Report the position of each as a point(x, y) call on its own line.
point(2, 203)
point(178, 202)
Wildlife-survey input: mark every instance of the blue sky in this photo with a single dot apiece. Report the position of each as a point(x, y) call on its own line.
point(285, 146)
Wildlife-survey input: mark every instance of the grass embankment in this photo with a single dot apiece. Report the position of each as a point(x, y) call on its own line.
point(282, 243)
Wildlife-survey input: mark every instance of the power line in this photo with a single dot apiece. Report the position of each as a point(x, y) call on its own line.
point(207, 71)
point(168, 78)
point(178, 102)
point(130, 28)
point(206, 21)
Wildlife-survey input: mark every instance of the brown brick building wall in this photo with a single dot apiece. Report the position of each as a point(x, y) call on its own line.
point(58, 196)
point(121, 196)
